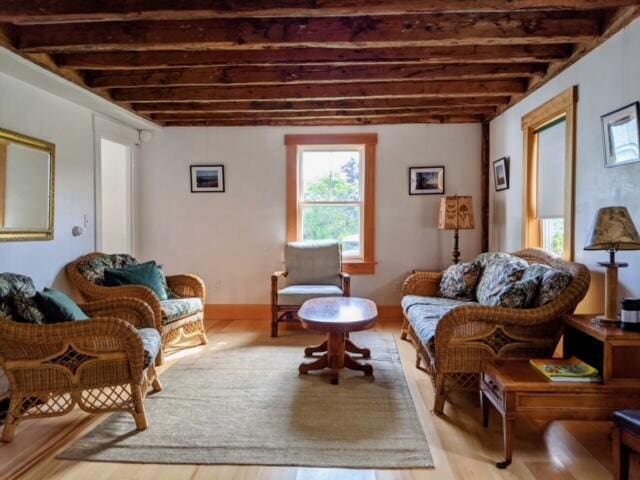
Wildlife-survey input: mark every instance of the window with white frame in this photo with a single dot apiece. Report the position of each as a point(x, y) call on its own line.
point(331, 195)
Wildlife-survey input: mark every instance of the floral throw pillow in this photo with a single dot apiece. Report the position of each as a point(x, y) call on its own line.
point(518, 294)
point(496, 277)
point(459, 281)
point(552, 283)
point(26, 309)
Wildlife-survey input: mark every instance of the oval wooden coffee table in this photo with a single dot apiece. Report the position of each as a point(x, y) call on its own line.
point(337, 316)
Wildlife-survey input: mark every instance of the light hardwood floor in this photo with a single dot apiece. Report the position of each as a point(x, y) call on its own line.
point(461, 448)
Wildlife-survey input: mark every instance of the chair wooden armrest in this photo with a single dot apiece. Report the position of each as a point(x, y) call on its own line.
point(422, 283)
point(133, 310)
point(346, 284)
point(187, 285)
point(274, 284)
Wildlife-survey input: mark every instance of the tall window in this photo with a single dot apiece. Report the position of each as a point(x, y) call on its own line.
point(549, 139)
point(330, 194)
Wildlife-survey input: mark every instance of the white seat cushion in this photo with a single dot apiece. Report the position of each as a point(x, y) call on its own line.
point(298, 294)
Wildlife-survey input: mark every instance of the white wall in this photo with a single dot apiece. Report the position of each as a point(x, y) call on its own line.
point(34, 112)
point(607, 79)
point(234, 240)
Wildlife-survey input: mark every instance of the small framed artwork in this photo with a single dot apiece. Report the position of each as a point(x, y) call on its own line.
point(207, 178)
point(621, 135)
point(426, 180)
point(501, 174)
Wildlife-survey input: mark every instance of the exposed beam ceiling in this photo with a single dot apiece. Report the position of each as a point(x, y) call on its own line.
point(48, 11)
point(310, 62)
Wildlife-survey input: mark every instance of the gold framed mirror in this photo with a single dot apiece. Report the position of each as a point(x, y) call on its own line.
point(27, 173)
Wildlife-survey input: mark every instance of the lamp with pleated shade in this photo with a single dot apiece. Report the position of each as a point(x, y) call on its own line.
point(456, 213)
point(612, 230)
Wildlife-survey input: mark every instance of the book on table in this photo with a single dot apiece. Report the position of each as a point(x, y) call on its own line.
point(566, 370)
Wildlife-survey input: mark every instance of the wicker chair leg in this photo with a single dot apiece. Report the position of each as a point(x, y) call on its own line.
point(138, 404)
point(9, 429)
point(203, 334)
point(418, 359)
point(403, 329)
point(438, 404)
point(160, 357)
point(156, 385)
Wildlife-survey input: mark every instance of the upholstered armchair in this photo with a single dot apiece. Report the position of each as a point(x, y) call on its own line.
point(453, 337)
point(103, 364)
point(312, 269)
point(180, 316)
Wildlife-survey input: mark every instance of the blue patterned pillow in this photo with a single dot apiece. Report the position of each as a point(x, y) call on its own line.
point(552, 282)
point(459, 281)
point(496, 277)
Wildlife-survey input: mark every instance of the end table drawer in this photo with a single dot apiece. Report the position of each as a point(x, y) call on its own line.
point(492, 388)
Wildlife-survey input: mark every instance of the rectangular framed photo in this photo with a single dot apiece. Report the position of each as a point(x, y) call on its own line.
point(207, 178)
point(501, 174)
point(426, 181)
point(621, 136)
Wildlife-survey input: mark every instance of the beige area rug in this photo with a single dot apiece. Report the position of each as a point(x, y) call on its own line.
point(247, 405)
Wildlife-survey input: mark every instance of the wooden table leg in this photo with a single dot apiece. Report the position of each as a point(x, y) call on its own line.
point(484, 408)
point(507, 432)
point(352, 364)
point(309, 351)
point(319, 364)
point(353, 348)
point(336, 355)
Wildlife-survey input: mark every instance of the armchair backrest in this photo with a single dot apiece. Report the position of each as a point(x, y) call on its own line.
point(313, 263)
point(92, 266)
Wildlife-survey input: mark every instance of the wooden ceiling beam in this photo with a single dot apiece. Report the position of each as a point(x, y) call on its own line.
point(244, 122)
point(315, 56)
point(326, 32)
point(47, 11)
point(176, 116)
point(319, 105)
point(467, 88)
point(275, 75)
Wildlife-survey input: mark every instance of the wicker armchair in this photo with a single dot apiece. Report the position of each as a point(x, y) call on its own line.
point(470, 333)
point(185, 286)
point(104, 364)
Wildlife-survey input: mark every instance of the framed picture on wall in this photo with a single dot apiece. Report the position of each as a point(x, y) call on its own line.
point(426, 180)
point(501, 174)
point(621, 136)
point(207, 178)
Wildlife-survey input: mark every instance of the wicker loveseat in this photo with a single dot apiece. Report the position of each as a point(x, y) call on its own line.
point(453, 337)
point(106, 363)
point(182, 315)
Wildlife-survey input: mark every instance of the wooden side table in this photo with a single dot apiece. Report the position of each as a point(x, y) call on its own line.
point(517, 390)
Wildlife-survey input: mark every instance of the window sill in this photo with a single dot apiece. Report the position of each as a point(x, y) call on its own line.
point(359, 267)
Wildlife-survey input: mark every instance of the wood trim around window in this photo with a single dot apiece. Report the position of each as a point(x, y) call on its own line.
point(562, 106)
point(367, 265)
point(3, 181)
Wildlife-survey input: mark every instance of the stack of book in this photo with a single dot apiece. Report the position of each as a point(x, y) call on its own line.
point(566, 370)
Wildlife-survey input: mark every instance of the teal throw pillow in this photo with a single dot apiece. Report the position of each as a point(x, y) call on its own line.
point(59, 307)
point(147, 274)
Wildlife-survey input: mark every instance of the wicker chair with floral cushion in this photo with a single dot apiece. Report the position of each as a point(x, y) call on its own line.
point(105, 363)
point(180, 316)
point(500, 305)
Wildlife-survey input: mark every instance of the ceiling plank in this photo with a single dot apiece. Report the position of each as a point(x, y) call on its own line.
point(275, 75)
point(176, 116)
point(331, 91)
point(319, 105)
point(612, 24)
point(331, 56)
point(47, 11)
point(337, 32)
point(243, 122)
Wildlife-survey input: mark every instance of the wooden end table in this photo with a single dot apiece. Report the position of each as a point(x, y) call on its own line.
point(518, 391)
point(337, 317)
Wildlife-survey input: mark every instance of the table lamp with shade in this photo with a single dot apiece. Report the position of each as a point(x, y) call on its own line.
point(456, 213)
point(612, 230)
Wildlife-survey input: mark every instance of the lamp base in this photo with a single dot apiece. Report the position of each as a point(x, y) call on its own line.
point(605, 321)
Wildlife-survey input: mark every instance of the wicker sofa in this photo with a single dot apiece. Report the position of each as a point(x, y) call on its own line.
point(452, 338)
point(178, 317)
point(106, 363)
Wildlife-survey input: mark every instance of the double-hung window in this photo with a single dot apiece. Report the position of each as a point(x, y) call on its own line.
point(330, 194)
